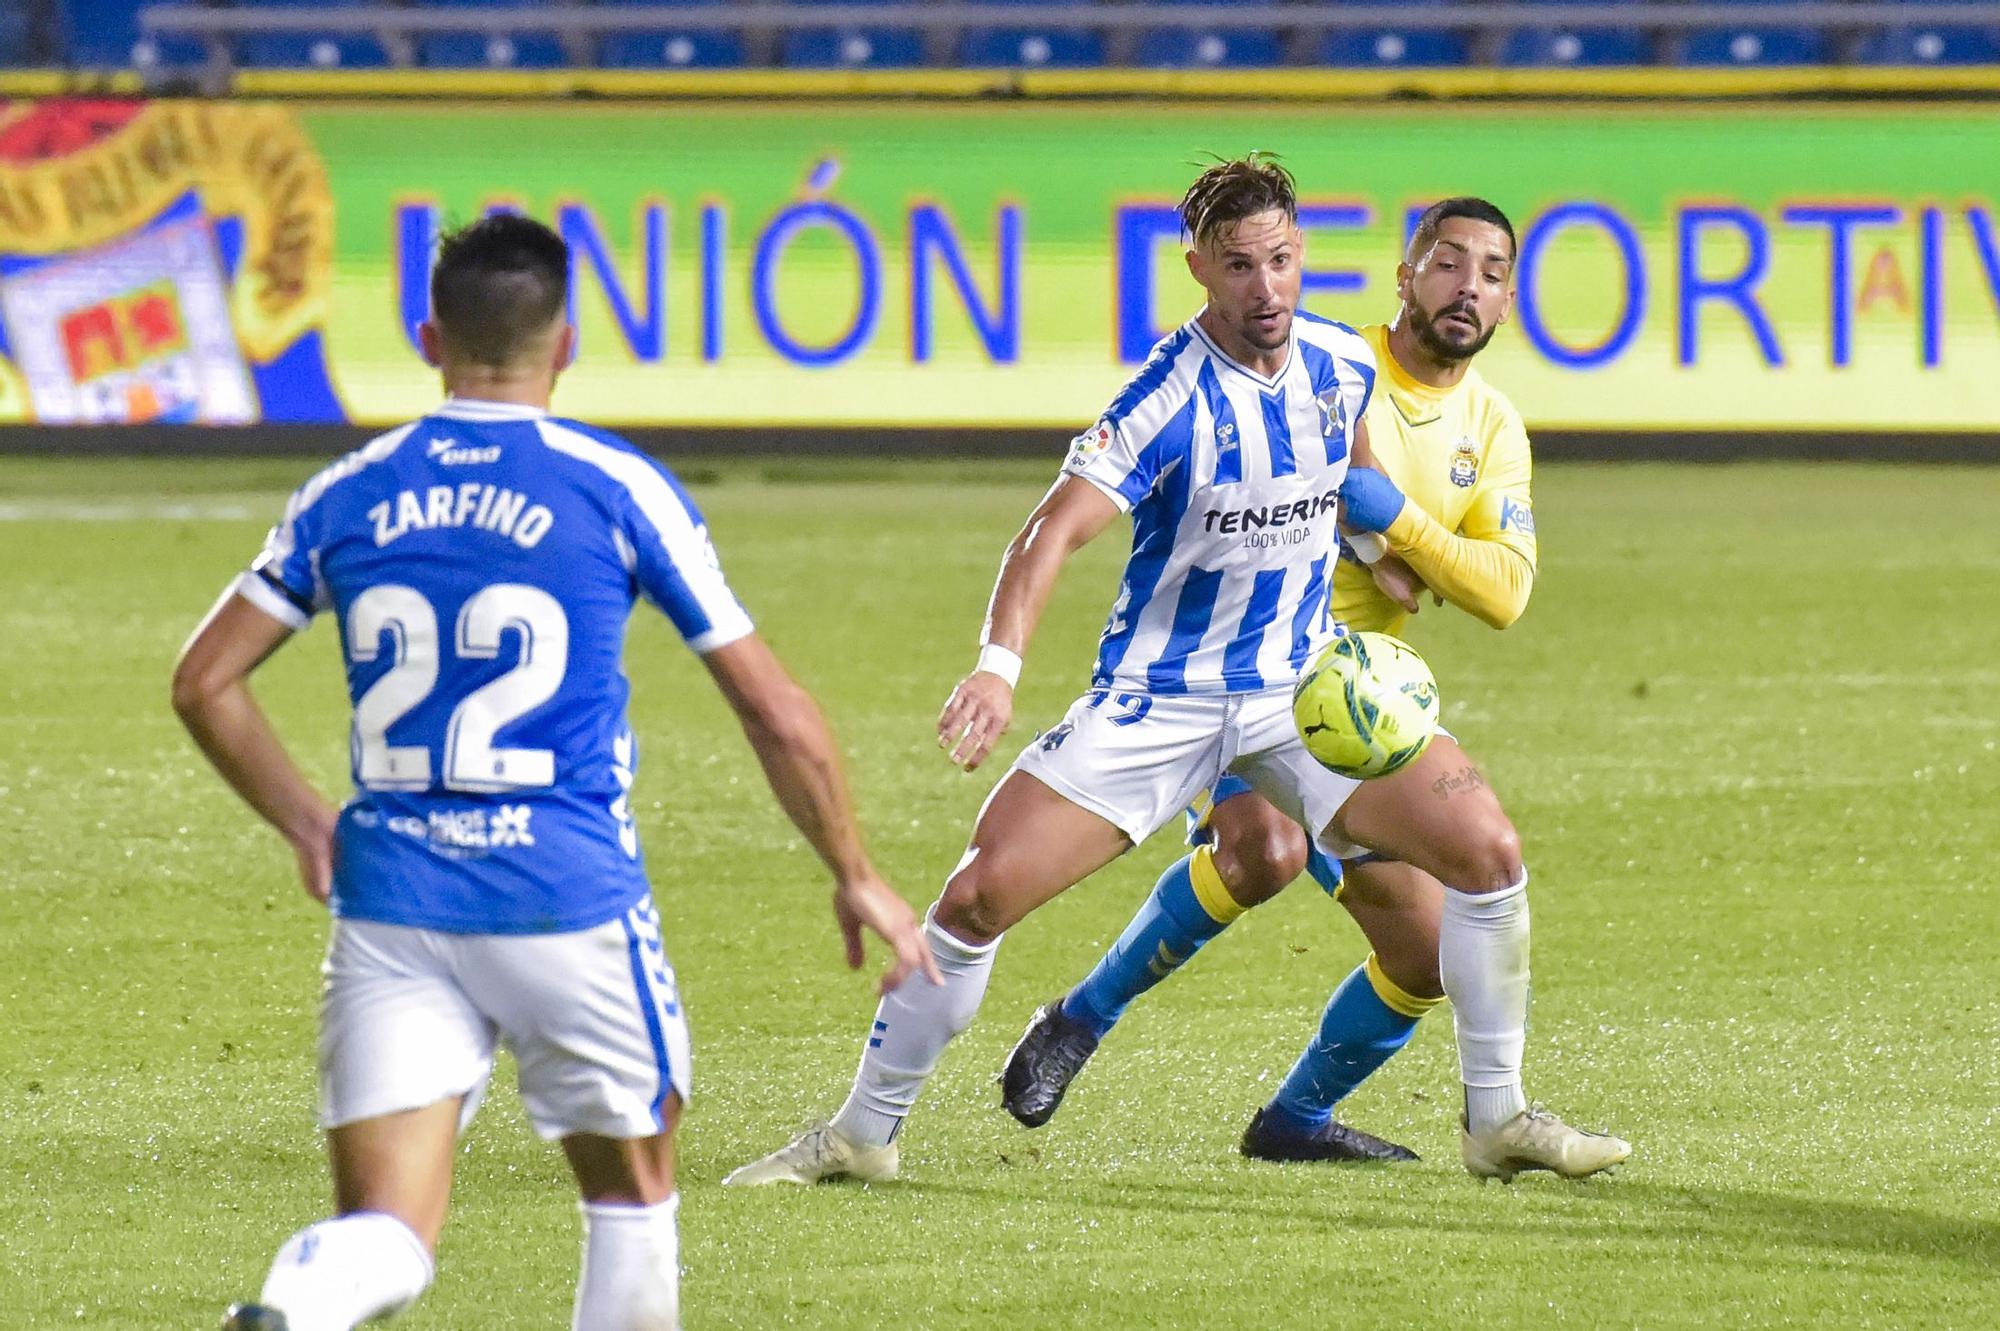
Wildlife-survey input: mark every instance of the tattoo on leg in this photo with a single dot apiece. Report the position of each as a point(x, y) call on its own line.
point(1465, 779)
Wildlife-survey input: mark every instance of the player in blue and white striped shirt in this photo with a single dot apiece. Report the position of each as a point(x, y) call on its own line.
point(486, 882)
point(1232, 479)
point(1230, 451)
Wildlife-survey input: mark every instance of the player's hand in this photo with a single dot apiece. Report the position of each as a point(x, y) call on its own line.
point(975, 717)
point(867, 902)
point(1399, 582)
point(314, 848)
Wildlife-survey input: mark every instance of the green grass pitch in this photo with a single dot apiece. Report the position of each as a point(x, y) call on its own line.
point(1748, 729)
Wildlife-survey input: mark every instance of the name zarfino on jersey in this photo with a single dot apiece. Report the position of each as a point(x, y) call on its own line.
point(476, 504)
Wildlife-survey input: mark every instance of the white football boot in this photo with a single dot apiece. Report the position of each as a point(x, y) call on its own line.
point(820, 1152)
point(1537, 1139)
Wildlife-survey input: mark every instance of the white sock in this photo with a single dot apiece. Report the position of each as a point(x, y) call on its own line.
point(1483, 959)
point(912, 1026)
point(631, 1277)
point(337, 1274)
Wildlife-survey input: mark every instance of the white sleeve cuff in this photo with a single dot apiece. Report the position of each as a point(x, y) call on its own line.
point(722, 634)
point(1111, 492)
point(252, 588)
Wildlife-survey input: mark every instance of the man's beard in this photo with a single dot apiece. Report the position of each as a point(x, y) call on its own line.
point(1253, 333)
point(1435, 341)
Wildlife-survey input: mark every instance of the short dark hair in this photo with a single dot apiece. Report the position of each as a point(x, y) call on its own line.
point(1232, 190)
point(497, 284)
point(1465, 205)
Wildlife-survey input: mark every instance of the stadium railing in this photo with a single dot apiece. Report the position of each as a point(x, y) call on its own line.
point(203, 42)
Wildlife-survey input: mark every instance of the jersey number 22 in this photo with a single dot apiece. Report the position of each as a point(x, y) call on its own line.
point(471, 761)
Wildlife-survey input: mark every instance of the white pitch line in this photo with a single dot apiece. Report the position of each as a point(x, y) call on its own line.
point(144, 510)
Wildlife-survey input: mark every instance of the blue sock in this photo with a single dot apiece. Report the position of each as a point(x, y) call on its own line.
point(1188, 907)
point(1367, 1019)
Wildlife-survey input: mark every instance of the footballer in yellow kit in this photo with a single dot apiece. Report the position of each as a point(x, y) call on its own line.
point(1460, 456)
point(1445, 508)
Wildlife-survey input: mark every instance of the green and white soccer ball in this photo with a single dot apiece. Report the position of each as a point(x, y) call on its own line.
point(1367, 707)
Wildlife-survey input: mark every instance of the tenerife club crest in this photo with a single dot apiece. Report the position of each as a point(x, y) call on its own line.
point(1333, 418)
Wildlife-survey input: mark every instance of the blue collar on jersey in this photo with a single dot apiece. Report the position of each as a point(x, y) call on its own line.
point(1291, 351)
point(476, 409)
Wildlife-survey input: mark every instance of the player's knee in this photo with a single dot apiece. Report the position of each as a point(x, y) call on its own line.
point(972, 908)
point(1486, 856)
point(1259, 862)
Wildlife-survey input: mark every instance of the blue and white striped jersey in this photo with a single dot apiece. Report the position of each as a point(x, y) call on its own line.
point(1232, 481)
point(482, 564)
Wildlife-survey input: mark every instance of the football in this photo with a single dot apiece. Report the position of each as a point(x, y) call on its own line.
point(1367, 707)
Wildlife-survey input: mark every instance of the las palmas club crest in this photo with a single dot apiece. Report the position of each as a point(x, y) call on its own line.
point(1464, 462)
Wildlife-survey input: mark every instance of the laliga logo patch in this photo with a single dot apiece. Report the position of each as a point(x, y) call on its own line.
point(1092, 442)
point(1464, 463)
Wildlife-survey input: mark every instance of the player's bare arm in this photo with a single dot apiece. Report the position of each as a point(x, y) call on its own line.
point(211, 692)
point(793, 743)
point(982, 706)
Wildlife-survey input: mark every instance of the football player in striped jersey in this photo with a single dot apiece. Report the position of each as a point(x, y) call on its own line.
point(1456, 449)
point(1230, 451)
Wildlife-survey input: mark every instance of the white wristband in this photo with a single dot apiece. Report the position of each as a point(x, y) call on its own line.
point(1368, 546)
point(997, 660)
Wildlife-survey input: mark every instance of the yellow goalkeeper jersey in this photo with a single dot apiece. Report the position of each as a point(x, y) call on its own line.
point(1460, 454)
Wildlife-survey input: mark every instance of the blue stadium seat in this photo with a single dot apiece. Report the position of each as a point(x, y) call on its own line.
point(1190, 48)
point(310, 50)
point(1034, 48)
point(852, 48)
point(13, 38)
point(168, 50)
point(478, 50)
point(1394, 48)
point(1574, 46)
point(669, 48)
point(666, 48)
point(1755, 46)
point(1932, 44)
point(100, 32)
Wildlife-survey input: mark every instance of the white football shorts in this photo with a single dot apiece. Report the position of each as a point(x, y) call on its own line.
point(410, 1017)
point(1138, 759)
